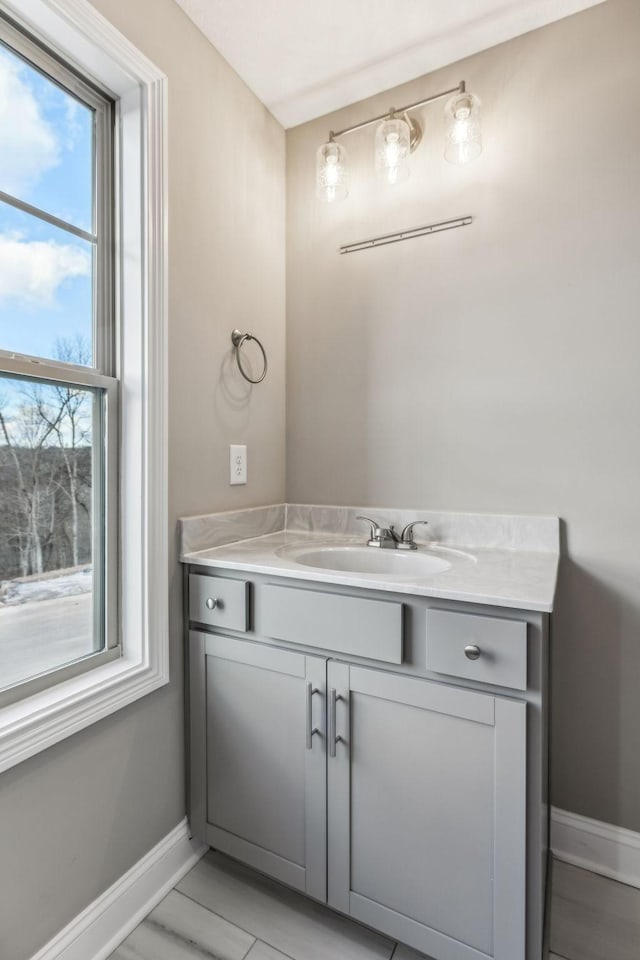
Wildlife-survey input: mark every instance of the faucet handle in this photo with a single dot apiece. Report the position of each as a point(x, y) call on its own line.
point(375, 529)
point(406, 537)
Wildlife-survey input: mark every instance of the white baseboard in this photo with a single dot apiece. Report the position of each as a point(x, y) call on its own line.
point(610, 851)
point(96, 932)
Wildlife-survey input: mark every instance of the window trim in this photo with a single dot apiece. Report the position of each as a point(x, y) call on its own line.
point(82, 37)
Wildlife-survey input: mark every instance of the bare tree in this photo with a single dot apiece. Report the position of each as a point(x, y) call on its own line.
point(45, 470)
point(26, 435)
point(70, 420)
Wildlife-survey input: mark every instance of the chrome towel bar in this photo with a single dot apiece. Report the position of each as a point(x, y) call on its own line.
point(406, 234)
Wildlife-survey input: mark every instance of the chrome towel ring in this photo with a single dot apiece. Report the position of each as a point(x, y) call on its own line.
point(238, 339)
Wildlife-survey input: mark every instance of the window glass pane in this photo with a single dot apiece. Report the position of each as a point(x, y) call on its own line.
point(48, 585)
point(46, 143)
point(46, 290)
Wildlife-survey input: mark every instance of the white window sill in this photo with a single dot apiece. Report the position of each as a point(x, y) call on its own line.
point(31, 725)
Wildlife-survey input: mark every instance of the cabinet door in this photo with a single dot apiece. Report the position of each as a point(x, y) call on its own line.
point(426, 813)
point(258, 784)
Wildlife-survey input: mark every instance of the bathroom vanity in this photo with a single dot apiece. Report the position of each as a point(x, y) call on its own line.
point(371, 740)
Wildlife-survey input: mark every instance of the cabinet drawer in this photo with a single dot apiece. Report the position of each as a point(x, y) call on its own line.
point(499, 647)
point(219, 601)
point(354, 626)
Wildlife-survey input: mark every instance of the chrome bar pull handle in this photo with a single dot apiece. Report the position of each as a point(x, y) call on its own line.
point(310, 729)
point(333, 737)
point(332, 722)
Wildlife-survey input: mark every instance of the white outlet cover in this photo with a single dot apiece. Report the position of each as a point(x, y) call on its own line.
point(237, 463)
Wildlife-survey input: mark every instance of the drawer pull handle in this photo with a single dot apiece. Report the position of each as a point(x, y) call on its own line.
point(334, 738)
point(211, 603)
point(472, 652)
point(310, 729)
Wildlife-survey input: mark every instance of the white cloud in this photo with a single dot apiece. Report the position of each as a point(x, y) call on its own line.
point(73, 128)
point(33, 270)
point(28, 143)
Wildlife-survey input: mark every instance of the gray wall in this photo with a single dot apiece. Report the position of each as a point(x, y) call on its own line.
point(496, 367)
point(75, 818)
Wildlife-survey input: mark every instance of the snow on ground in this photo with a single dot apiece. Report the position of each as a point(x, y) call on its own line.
point(47, 587)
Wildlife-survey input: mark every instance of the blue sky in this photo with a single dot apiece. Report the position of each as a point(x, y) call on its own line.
point(46, 148)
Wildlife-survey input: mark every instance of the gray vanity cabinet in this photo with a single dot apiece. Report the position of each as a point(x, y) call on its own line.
point(258, 768)
point(426, 813)
point(405, 789)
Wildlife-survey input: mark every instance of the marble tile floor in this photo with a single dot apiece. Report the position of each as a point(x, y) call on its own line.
point(592, 917)
point(223, 911)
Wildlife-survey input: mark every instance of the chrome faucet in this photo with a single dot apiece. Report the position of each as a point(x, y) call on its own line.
point(406, 537)
point(387, 538)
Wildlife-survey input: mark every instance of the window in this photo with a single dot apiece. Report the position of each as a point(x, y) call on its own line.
point(58, 385)
point(83, 513)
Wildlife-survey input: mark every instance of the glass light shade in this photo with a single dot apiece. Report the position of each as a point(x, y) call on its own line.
point(463, 135)
point(392, 149)
point(332, 175)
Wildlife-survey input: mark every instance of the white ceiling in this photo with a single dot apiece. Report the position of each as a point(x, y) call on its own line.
point(305, 58)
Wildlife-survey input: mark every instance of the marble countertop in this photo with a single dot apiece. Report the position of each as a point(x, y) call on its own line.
point(518, 578)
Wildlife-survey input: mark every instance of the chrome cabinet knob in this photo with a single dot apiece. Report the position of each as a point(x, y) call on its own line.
point(211, 603)
point(471, 651)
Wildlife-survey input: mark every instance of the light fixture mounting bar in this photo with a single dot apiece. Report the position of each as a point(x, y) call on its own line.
point(385, 116)
point(406, 234)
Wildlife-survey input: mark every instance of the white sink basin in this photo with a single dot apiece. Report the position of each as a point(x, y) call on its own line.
point(409, 564)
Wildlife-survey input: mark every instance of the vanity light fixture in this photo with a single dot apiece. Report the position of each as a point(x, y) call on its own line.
point(332, 180)
point(397, 136)
point(392, 148)
point(463, 136)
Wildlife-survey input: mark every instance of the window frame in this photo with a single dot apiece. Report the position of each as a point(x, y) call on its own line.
point(100, 376)
point(84, 40)
point(104, 505)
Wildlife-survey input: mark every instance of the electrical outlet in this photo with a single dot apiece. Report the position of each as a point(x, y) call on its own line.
point(237, 463)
